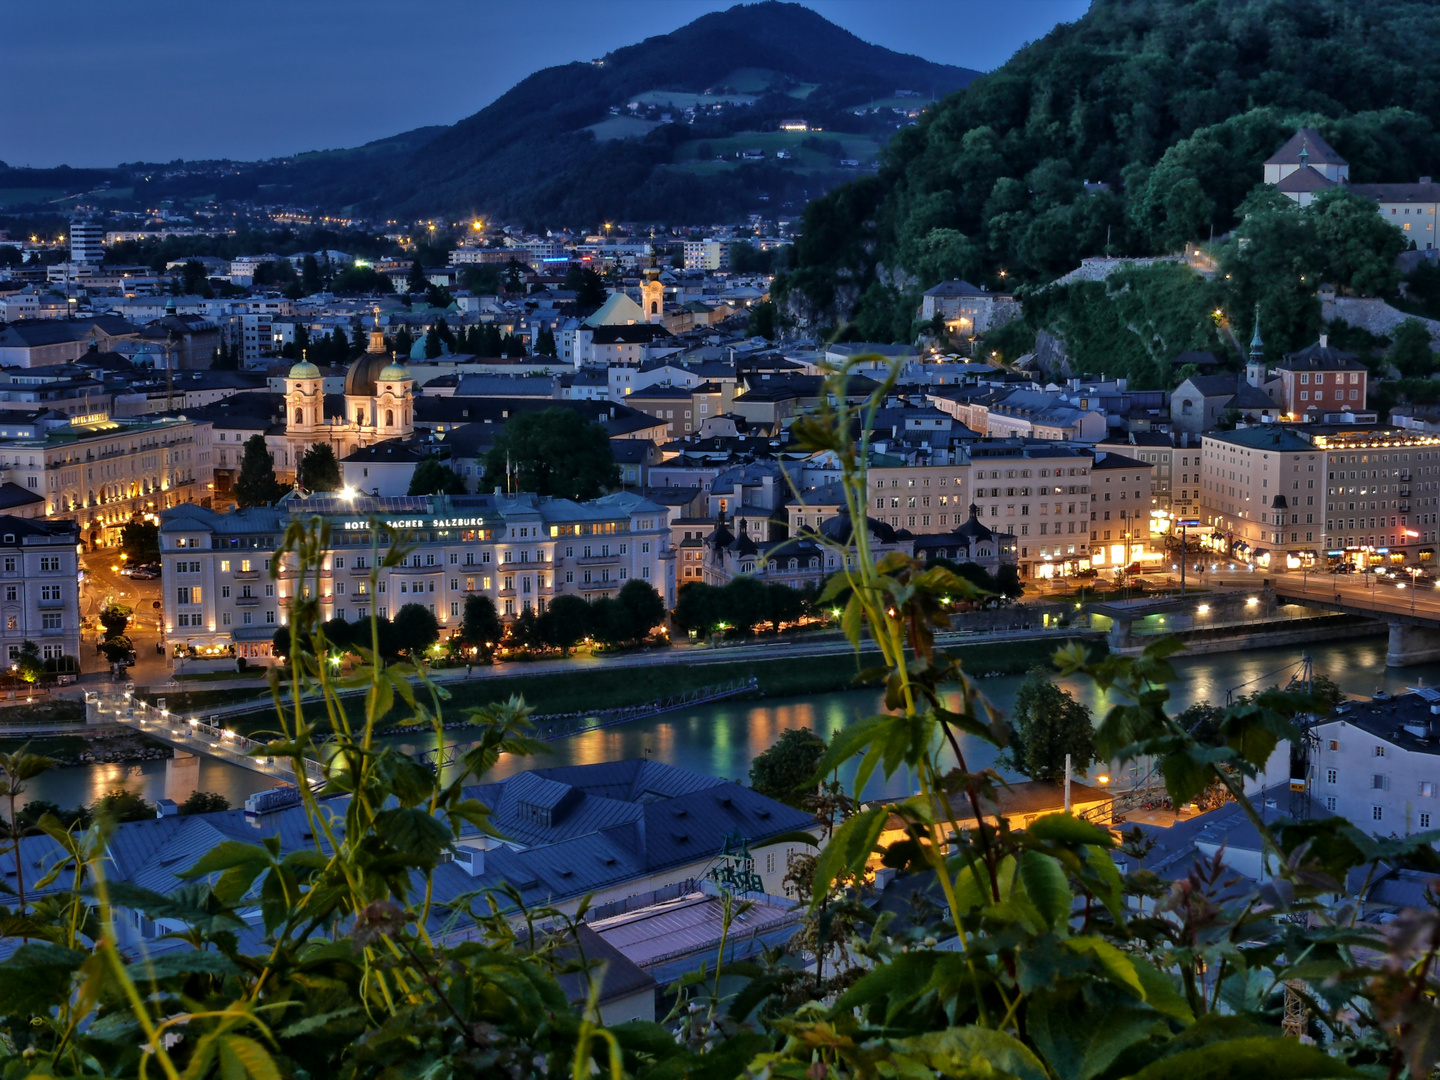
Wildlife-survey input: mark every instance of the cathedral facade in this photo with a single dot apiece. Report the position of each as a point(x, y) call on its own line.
point(378, 404)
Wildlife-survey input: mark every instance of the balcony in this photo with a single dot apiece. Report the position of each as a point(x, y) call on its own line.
point(58, 602)
point(1404, 507)
point(359, 571)
point(247, 575)
point(247, 601)
point(596, 560)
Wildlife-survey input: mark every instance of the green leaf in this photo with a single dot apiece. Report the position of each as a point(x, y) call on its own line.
point(1048, 888)
point(848, 850)
point(1248, 1059)
point(242, 1058)
point(897, 983)
point(37, 977)
point(1079, 1037)
point(1161, 992)
point(1189, 771)
point(974, 1053)
point(1068, 830)
point(184, 963)
point(1117, 965)
point(414, 832)
point(227, 855)
point(319, 1022)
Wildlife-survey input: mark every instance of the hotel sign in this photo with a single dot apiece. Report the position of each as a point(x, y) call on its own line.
point(421, 523)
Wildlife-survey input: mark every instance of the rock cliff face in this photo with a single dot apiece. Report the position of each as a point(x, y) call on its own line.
point(1376, 316)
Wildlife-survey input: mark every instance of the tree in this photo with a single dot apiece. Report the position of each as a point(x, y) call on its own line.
point(698, 607)
point(437, 296)
point(608, 624)
point(114, 619)
point(404, 342)
point(525, 630)
point(1046, 724)
point(481, 626)
point(310, 282)
point(256, 485)
point(340, 634)
point(319, 471)
point(140, 541)
point(416, 628)
point(553, 452)
point(782, 604)
point(641, 609)
point(121, 805)
point(432, 477)
point(194, 281)
point(433, 346)
point(764, 320)
point(280, 644)
point(545, 342)
point(204, 802)
point(1410, 351)
point(117, 648)
point(566, 623)
point(417, 282)
point(786, 770)
point(588, 286)
point(361, 281)
point(27, 663)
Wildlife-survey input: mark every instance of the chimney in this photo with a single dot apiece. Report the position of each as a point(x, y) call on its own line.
point(1324, 341)
point(1424, 179)
point(166, 808)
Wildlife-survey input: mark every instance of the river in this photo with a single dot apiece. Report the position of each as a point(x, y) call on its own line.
point(722, 738)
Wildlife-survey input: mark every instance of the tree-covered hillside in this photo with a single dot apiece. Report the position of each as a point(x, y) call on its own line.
point(1137, 128)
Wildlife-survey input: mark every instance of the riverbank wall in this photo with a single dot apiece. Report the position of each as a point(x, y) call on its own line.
point(1230, 639)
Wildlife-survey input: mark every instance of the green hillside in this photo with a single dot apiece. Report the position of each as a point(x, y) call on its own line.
point(1167, 107)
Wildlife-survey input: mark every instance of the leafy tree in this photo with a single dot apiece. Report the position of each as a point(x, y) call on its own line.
point(764, 320)
point(640, 609)
point(433, 346)
point(114, 619)
point(514, 276)
point(525, 630)
point(1007, 582)
point(417, 282)
point(480, 279)
point(116, 647)
point(545, 342)
point(194, 281)
point(609, 624)
point(256, 485)
point(27, 663)
point(275, 272)
point(433, 477)
point(29, 815)
point(340, 634)
point(140, 541)
point(782, 604)
point(361, 281)
point(437, 296)
point(319, 470)
point(1046, 724)
point(786, 770)
point(552, 452)
point(122, 805)
point(1411, 353)
point(204, 802)
point(280, 645)
point(404, 342)
point(698, 607)
point(481, 625)
point(416, 627)
point(566, 623)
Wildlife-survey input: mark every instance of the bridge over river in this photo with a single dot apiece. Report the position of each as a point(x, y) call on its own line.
point(1299, 603)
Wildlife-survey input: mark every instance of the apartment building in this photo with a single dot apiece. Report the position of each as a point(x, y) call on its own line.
point(707, 255)
point(1364, 495)
point(101, 473)
point(520, 550)
point(40, 587)
point(1121, 504)
point(1377, 763)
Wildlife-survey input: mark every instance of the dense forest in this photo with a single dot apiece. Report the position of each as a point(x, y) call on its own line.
point(1135, 129)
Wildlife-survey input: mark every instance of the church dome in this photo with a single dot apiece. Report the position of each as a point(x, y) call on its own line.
point(364, 373)
point(304, 370)
point(393, 373)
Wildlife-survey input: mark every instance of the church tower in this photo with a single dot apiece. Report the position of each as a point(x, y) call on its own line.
point(1255, 364)
point(304, 399)
point(652, 293)
point(394, 402)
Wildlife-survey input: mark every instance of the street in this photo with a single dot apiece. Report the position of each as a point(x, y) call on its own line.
point(105, 585)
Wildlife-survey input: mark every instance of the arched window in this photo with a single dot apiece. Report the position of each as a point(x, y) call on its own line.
point(360, 416)
point(389, 417)
point(654, 307)
point(300, 416)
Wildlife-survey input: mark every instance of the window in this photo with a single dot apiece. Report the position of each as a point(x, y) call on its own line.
point(1424, 821)
point(50, 592)
point(188, 594)
point(1329, 802)
point(1427, 789)
point(1377, 813)
point(1331, 776)
point(225, 618)
point(269, 616)
point(1379, 751)
point(49, 562)
point(50, 622)
point(1379, 782)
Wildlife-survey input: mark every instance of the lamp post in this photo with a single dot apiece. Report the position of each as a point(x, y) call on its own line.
point(1185, 524)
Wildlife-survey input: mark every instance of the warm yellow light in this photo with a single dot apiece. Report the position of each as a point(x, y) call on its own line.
point(477, 225)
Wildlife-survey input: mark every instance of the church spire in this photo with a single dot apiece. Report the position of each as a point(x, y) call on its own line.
point(377, 336)
point(1257, 347)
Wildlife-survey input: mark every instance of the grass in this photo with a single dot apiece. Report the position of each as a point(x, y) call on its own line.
point(681, 99)
point(54, 711)
point(622, 127)
point(590, 689)
point(218, 676)
point(20, 196)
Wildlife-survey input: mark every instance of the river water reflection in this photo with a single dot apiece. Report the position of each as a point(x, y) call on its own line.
point(723, 738)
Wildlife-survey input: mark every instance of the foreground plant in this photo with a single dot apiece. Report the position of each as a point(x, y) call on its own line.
point(1051, 953)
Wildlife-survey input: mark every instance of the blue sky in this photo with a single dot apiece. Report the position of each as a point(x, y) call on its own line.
point(96, 82)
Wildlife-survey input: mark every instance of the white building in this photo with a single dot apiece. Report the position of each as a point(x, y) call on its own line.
point(1378, 764)
point(707, 255)
point(40, 587)
point(520, 550)
point(87, 241)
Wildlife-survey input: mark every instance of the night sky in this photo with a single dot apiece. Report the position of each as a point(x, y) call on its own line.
point(96, 82)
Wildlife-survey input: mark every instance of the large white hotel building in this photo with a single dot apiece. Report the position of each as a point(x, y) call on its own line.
point(520, 550)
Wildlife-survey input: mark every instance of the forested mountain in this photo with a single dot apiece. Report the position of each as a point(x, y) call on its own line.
point(1166, 107)
point(610, 139)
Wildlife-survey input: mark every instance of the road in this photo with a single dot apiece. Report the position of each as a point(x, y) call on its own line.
point(1370, 591)
point(105, 585)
